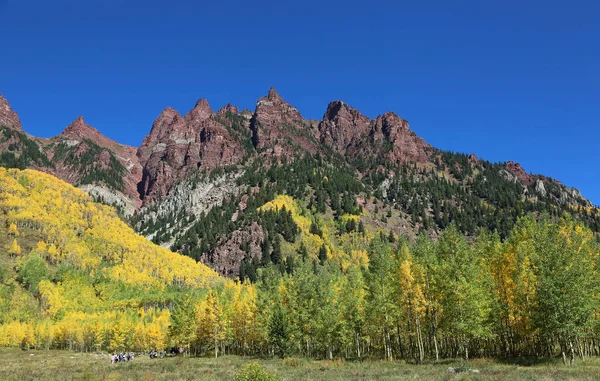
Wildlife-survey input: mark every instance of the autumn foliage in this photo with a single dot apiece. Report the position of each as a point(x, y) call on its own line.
point(83, 280)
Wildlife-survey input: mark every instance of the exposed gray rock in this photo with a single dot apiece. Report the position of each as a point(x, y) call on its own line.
point(111, 197)
point(195, 194)
point(539, 187)
point(384, 186)
point(508, 176)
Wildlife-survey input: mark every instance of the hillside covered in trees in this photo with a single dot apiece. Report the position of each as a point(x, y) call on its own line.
point(347, 237)
point(75, 276)
point(330, 199)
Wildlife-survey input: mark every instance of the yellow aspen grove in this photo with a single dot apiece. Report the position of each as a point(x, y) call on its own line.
point(140, 336)
point(118, 336)
point(323, 277)
point(44, 334)
point(12, 230)
point(412, 299)
point(14, 249)
point(514, 278)
point(212, 324)
point(244, 317)
point(98, 331)
point(41, 248)
point(157, 333)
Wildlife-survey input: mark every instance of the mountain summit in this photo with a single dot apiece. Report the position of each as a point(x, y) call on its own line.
point(200, 181)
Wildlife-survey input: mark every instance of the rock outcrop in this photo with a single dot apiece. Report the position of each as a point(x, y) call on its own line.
point(473, 160)
point(9, 118)
point(343, 127)
point(540, 188)
point(228, 256)
point(228, 109)
point(405, 144)
point(349, 132)
point(277, 125)
point(517, 170)
point(177, 145)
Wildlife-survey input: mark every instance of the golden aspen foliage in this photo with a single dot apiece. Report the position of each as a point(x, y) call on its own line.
point(534, 294)
point(12, 230)
point(86, 234)
point(211, 321)
point(102, 273)
point(14, 249)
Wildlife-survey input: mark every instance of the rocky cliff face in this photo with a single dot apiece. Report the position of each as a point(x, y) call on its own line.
point(228, 109)
point(519, 172)
point(349, 132)
point(80, 155)
point(9, 118)
point(276, 126)
point(343, 127)
point(177, 145)
point(227, 257)
point(405, 144)
point(204, 140)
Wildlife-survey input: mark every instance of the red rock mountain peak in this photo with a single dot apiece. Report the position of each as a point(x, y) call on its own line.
point(271, 120)
point(229, 108)
point(201, 111)
point(8, 117)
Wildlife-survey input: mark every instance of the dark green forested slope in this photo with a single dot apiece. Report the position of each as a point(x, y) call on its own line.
point(381, 198)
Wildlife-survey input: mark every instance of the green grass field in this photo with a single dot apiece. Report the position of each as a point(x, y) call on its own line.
point(62, 365)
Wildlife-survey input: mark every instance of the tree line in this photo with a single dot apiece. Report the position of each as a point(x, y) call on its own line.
point(535, 294)
point(82, 280)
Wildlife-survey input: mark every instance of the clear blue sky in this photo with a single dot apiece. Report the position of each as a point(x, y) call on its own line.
point(506, 80)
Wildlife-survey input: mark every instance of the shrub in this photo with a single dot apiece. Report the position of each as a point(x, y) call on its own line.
point(293, 362)
point(255, 372)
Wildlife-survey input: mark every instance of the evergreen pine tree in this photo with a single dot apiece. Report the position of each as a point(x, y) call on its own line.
point(276, 253)
point(361, 227)
point(350, 225)
point(315, 229)
point(266, 252)
point(289, 264)
point(302, 251)
point(323, 254)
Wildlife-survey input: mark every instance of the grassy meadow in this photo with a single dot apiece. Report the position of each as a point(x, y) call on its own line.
point(63, 365)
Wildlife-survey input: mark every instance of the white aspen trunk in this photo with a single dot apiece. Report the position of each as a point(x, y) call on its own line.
point(385, 346)
point(420, 340)
point(571, 352)
point(580, 349)
point(390, 356)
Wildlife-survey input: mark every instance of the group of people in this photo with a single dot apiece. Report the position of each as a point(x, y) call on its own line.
point(155, 354)
point(173, 351)
point(121, 357)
